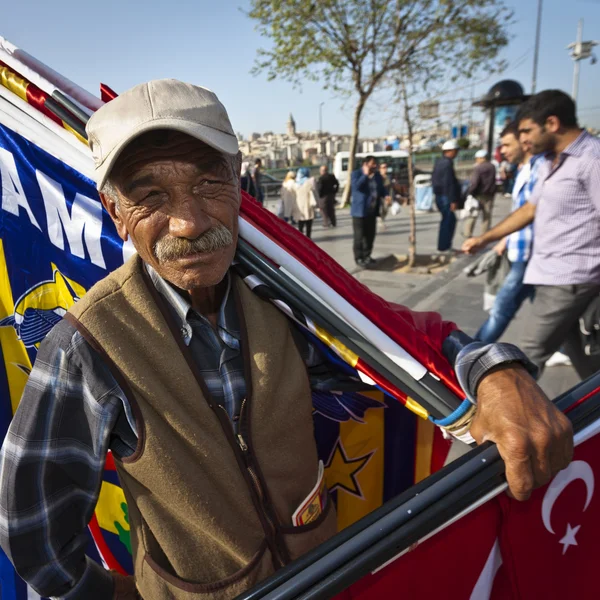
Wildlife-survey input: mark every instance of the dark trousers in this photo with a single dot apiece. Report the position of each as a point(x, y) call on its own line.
point(308, 225)
point(364, 236)
point(552, 323)
point(328, 207)
point(447, 224)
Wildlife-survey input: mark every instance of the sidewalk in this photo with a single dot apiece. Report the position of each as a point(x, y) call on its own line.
point(395, 287)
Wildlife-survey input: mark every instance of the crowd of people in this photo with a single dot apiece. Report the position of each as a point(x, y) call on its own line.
point(552, 236)
point(551, 169)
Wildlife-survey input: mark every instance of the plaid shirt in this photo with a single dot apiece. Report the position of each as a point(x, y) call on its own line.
point(518, 244)
point(73, 411)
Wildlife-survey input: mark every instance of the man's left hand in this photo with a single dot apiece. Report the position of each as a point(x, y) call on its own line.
point(534, 438)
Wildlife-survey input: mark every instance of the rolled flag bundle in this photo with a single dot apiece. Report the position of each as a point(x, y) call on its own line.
point(401, 517)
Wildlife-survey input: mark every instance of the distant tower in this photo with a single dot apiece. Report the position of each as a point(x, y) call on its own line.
point(291, 126)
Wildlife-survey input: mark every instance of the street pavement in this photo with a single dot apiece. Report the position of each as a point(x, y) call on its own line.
point(457, 297)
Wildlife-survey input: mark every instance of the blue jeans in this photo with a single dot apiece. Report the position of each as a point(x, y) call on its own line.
point(447, 225)
point(508, 301)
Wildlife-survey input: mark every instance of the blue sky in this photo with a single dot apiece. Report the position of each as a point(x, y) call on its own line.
point(210, 43)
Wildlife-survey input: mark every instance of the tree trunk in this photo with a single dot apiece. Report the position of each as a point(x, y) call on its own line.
point(353, 144)
point(412, 237)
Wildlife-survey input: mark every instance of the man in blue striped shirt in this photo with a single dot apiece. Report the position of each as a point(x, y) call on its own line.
point(517, 245)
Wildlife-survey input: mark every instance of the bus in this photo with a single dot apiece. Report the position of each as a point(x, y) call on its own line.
point(396, 160)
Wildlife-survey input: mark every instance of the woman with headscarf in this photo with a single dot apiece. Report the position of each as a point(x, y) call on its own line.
point(288, 197)
point(304, 208)
point(246, 180)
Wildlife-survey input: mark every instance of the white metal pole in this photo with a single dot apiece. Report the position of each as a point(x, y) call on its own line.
point(577, 59)
point(536, 53)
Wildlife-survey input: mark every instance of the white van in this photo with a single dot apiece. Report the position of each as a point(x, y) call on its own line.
point(396, 160)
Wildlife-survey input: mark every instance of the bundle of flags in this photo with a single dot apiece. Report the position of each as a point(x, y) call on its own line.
point(375, 437)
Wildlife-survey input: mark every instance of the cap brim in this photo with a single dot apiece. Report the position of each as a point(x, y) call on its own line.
point(219, 140)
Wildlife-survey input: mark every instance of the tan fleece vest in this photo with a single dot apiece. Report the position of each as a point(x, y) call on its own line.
point(208, 519)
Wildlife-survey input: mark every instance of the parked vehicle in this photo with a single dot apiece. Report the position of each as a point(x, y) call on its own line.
point(270, 185)
point(396, 160)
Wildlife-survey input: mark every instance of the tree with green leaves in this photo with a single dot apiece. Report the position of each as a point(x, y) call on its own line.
point(357, 47)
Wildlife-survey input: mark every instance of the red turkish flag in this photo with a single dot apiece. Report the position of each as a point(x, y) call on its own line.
point(448, 565)
point(549, 544)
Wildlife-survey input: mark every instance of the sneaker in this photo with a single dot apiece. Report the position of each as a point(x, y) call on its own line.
point(558, 359)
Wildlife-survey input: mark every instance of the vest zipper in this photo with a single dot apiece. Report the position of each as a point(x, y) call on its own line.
point(257, 488)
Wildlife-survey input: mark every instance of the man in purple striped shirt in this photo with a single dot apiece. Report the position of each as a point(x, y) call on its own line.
point(565, 264)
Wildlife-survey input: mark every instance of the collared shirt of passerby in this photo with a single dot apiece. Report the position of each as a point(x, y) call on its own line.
point(306, 202)
point(327, 187)
point(513, 291)
point(483, 188)
point(564, 266)
point(367, 194)
point(288, 197)
point(257, 180)
point(447, 191)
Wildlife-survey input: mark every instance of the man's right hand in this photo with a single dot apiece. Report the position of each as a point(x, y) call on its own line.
point(366, 170)
point(473, 245)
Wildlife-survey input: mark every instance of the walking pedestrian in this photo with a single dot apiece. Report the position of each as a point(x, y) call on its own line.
point(257, 180)
point(389, 194)
point(306, 202)
point(328, 186)
point(517, 245)
point(447, 193)
point(483, 188)
point(288, 196)
point(246, 181)
point(367, 192)
point(564, 267)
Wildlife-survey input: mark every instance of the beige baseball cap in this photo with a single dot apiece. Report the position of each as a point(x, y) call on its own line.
point(158, 104)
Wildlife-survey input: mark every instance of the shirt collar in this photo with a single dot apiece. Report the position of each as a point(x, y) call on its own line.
point(577, 146)
point(182, 308)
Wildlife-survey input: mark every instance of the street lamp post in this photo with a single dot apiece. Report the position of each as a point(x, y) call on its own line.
point(536, 52)
point(579, 51)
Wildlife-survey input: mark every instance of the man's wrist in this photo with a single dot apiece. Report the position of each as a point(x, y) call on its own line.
point(477, 360)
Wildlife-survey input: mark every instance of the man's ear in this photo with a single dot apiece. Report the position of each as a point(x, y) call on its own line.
point(113, 209)
point(553, 124)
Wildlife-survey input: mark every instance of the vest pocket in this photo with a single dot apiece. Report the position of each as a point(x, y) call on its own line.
point(155, 583)
point(300, 540)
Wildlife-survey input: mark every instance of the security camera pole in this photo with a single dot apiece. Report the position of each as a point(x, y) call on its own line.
point(579, 51)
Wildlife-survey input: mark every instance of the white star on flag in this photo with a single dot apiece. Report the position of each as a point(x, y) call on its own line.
point(569, 539)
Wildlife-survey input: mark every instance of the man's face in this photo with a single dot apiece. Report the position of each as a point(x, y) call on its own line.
point(510, 147)
point(451, 153)
point(383, 169)
point(372, 165)
point(179, 201)
point(323, 170)
point(538, 138)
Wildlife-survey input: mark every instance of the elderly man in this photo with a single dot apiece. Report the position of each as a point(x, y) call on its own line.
point(192, 381)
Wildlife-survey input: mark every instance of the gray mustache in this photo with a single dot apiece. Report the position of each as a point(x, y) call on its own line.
point(172, 248)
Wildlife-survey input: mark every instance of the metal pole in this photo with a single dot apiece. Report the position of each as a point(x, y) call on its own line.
point(577, 60)
point(536, 53)
point(321, 118)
